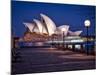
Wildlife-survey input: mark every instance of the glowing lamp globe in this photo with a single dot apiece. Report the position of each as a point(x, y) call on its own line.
point(63, 29)
point(87, 23)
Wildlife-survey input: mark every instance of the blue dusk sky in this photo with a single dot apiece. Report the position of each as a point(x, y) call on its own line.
point(61, 14)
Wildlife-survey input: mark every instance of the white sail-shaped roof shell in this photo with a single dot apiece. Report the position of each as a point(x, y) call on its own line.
point(30, 26)
point(76, 33)
point(66, 27)
point(40, 26)
point(36, 29)
point(51, 27)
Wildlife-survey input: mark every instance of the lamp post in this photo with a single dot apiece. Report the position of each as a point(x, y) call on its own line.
point(52, 40)
point(63, 32)
point(87, 25)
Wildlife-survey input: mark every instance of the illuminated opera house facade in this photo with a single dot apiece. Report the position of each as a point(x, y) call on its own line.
point(45, 29)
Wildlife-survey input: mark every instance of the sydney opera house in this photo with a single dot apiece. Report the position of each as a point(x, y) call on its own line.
point(46, 26)
point(45, 32)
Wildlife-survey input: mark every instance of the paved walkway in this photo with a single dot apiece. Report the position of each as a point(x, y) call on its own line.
point(34, 60)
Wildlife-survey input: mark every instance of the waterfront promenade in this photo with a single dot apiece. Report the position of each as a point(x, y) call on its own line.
point(37, 60)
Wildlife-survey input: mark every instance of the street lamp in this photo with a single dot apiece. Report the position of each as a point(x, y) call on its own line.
point(52, 40)
point(63, 30)
point(87, 25)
